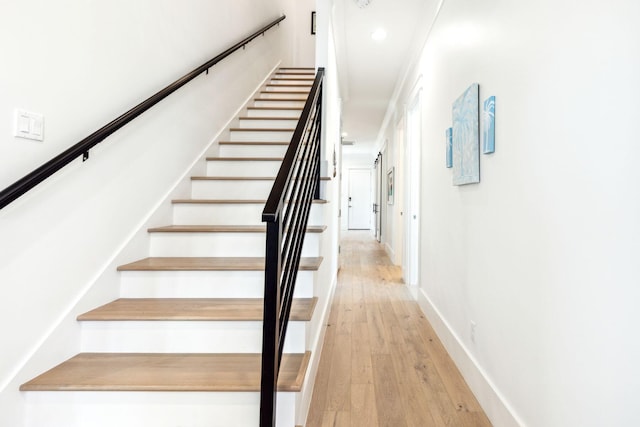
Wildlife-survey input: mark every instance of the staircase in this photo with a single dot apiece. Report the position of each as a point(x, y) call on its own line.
point(181, 346)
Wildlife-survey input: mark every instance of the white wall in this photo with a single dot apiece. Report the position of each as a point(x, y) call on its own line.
point(327, 277)
point(304, 54)
point(393, 156)
point(81, 64)
point(543, 253)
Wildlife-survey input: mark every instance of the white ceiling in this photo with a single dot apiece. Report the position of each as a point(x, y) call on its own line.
point(369, 70)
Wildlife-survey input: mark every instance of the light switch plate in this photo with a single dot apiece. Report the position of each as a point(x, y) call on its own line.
point(28, 125)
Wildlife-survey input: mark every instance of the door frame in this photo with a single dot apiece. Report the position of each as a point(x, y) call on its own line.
point(412, 229)
point(377, 209)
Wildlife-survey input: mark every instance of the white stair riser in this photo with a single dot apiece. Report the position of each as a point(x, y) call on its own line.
point(267, 103)
point(220, 245)
point(204, 284)
point(282, 88)
point(269, 136)
point(275, 124)
point(157, 409)
point(236, 150)
point(277, 94)
point(229, 214)
point(184, 337)
point(323, 188)
point(231, 189)
point(291, 80)
point(293, 113)
point(242, 168)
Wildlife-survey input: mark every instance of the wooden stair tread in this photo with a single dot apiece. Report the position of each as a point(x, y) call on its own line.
point(224, 229)
point(287, 92)
point(290, 85)
point(192, 309)
point(245, 159)
point(304, 74)
point(304, 79)
point(229, 201)
point(260, 130)
point(233, 178)
point(210, 264)
point(267, 119)
point(242, 178)
point(281, 99)
point(276, 108)
point(254, 142)
point(219, 201)
point(167, 372)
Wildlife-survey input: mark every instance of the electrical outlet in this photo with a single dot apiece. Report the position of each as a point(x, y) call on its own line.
point(472, 331)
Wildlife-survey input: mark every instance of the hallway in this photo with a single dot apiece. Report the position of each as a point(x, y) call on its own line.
point(382, 364)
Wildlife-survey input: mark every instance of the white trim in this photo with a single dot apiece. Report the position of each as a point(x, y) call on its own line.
point(389, 250)
point(306, 395)
point(412, 187)
point(500, 413)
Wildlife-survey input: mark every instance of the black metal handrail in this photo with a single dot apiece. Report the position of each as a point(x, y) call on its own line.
point(286, 214)
point(82, 148)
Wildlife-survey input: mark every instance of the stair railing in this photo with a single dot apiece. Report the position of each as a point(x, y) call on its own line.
point(286, 214)
point(82, 148)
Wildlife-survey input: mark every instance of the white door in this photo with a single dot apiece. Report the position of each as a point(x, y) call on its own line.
point(378, 197)
point(359, 199)
point(414, 136)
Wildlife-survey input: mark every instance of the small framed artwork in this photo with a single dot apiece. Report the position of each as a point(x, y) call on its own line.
point(449, 134)
point(313, 22)
point(466, 137)
point(489, 123)
point(390, 188)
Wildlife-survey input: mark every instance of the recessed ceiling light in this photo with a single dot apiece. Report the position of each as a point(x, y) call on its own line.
point(379, 34)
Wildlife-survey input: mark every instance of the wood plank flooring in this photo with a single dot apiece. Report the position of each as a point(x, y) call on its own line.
point(382, 364)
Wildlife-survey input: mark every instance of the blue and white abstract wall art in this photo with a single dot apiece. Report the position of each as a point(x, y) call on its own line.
point(449, 134)
point(466, 137)
point(489, 125)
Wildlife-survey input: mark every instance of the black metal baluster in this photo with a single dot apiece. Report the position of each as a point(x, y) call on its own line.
point(287, 211)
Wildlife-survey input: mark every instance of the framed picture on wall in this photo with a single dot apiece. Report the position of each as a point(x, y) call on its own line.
point(466, 137)
point(390, 187)
point(489, 123)
point(313, 22)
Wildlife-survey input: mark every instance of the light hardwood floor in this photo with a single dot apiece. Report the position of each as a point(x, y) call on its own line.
point(382, 364)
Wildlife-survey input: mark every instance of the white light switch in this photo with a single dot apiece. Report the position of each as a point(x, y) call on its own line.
point(28, 125)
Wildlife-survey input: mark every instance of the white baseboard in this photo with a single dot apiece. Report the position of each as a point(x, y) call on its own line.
point(491, 400)
point(389, 250)
point(309, 384)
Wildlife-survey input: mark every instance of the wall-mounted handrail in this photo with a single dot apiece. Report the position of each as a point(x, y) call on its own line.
point(286, 214)
point(82, 148)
